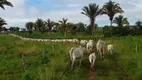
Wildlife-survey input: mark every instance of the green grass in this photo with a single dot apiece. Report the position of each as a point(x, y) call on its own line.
point(57, 35)
point(125, 64)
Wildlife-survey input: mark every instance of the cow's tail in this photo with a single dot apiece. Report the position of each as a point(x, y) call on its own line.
point(71, 52)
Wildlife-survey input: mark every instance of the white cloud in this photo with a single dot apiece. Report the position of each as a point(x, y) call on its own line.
point(21, 13)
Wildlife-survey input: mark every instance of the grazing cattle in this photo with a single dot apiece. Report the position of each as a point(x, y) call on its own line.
point(89, 46)
point(110, 49)
point(75, 41)
point(83, 42)
point(92, 58)
point(100, 47)
point(76, 53)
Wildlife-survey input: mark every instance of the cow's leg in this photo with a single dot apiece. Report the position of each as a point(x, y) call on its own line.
point(103, 52)
point(93, 61)
point(80, 62)
point(100, 54)
point(72, 63)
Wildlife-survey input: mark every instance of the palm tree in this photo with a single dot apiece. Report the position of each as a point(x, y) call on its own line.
point(91, 11)
point(49, 24)
point(5, 2)
point(17, 29)
point(72, 28)
point(4, 29)
point(80, 27)
point(57, 27)
point(121, 21)
point(110, 9)
point(138, 24)
point(64, 25)
point(2, 22)
point(39, 24)
point(30, 26)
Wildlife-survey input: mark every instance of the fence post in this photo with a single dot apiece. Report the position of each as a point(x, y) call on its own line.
point(136, 48)
point(23, 61)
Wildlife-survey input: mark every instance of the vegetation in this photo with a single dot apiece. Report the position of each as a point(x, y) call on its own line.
point(91, 11)
point(139, 24)
point(27, 60)
point(110, 9)
point(30, 26)
point(48, 61)
point(121, 21)
point(5, 2)
point(64, 26)
point(2, 22)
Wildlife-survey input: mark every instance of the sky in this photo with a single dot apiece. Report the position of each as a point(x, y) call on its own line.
point(29, 10)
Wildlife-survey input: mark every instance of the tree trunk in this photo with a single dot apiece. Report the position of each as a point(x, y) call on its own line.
point(110, 23)
point(65, 32)
point(92, 25)
point(49, 34)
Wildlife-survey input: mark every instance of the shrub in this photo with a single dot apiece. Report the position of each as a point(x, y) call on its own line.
point(117, 31)
point(44, 60)
point(107, 34)
point(27, 76)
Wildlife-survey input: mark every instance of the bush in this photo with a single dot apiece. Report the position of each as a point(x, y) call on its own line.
point(139, 75)
point(27, 76)
point(136, 32)
point(44, 60)
point(120, 31)
point(117, 31)
point(107, 34)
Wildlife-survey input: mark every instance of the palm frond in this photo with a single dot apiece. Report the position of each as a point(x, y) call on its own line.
point(5, 2)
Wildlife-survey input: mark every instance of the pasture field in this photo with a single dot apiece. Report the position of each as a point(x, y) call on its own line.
point(58, 35)
point(50, 61)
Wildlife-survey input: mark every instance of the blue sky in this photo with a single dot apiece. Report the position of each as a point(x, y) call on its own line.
point(29, 10)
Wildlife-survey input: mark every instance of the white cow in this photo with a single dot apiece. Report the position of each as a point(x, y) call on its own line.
point(100, 47)
point(76, 53)
point(110, 48)
point(89, 46)
point(83, 42)
point(92, 58)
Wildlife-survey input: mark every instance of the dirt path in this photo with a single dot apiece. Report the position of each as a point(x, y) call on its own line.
point(91, 74)
point(118, 70)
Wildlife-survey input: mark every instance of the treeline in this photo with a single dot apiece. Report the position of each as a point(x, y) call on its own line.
point(62, 26)
point(91, 11)
point(123, 30)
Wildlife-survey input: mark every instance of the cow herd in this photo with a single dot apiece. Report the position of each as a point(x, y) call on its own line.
point(87, 47)
point(78, 52)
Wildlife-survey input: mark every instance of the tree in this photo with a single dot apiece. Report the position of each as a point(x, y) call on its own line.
point(11, 29)
point(139, 24)
point(40, 26)
point(14, 29)
point(2, 22)
point(80, 27)
point(110, 9)
point(30, 26)
point(23, 29)
point(63, 25)
point(49, 24)
point(57, 27)
point(91, 11)
point(121, 21)
point(17, 29)
point(4, 29)
point(5, 2)
point(71, 27)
